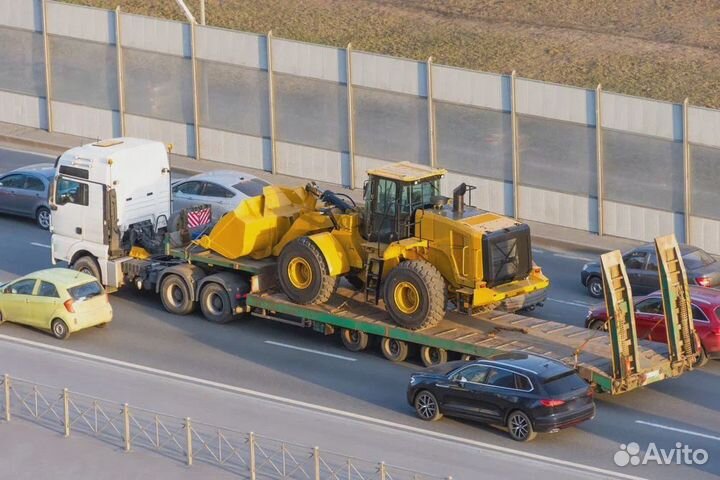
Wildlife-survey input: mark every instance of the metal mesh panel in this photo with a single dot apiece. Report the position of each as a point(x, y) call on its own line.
point(705, 178)
point(391, 126)
point(559, 156)
point(474, 140)
point(22, 61)
point(311, 112)
point(643, 171)
point(84, 72)
point(234, 98)
point(158, 85)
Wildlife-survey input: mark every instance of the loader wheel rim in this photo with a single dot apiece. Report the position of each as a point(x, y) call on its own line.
point(300, 273)
point(406, 297)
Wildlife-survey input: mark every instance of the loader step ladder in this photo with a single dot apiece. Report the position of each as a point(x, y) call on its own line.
point(621, 317)
point(373, 278)
point(682, 346)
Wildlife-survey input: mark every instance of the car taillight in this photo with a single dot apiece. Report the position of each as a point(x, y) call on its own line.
point(715, 331)
point(702, 281)
point(551, 403)
point(69, 306)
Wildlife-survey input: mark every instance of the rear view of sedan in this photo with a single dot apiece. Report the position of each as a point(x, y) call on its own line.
point(58, 300)
point(525, 393)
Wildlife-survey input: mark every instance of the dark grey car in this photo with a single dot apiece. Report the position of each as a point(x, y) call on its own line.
point(642, 269)
point(24, 192)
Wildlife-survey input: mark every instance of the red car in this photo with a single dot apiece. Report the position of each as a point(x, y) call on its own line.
point(650, 320)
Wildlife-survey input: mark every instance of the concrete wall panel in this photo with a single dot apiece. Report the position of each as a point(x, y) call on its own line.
point(85, 121)
point(558, 208)
point(155, 35)
point(639, 223)
point(485, 90)
point(704, 126)
point(227, 46)
point(643, 116)
point(236, 149)
point(25, 14)
point(23, 110)
point(558, 102)
point(94, 24)
point(181, 136)
point(491, 195)
point(705, 233)
point(389, 73)
point(313, 163)
point(308, 60)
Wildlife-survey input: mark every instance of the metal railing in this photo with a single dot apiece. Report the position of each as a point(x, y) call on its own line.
point(245, 454)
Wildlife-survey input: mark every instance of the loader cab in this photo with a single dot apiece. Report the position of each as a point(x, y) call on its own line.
point(392, 196)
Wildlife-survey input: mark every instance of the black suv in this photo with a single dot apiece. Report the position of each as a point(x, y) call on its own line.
point(527, 393)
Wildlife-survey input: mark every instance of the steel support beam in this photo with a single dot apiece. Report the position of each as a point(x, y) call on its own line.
point(120, 70)
point(350, 114)
point(196, 99)
point(515, 145)
point(271, 98)
point(48, 67)
point(600, 160)
point(687, 171)
point(432, 145)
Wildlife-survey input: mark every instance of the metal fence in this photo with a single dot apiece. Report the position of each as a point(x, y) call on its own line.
point(586, 159)
point(184, 439)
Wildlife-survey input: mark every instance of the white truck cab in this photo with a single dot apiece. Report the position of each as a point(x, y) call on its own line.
point(102, 190)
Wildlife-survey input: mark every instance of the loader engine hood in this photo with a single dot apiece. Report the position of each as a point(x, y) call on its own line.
point(507, 255)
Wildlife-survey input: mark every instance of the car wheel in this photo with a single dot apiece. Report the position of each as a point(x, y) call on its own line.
point(42, 217)
point(59, 329)
point(520, 427)
point(427, 407)
point(87, 265)
point(2, 319)
point(598, 324)
point(394, 350)
point(354, 340)
point(595, 287)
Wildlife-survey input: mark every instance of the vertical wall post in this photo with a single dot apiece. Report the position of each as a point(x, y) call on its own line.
point(196, 99)
point(432, 145)
point(48, 68)
point(6, 385)
point(126, 424)
point(66, 412)
point(202, 12)
point(600, 160)
point(120, 71)
point(687, 170)
point(271, 98)
point(316, 458)
point(382, 470)
point(188, 437)
point(251, 441)
point(515, 146)
point(350, 113)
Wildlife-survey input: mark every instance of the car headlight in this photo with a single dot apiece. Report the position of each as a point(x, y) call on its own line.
point(413, 379)
point(585, 267)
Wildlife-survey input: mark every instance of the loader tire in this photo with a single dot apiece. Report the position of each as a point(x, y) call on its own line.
point(304, 274)
point(415, 295)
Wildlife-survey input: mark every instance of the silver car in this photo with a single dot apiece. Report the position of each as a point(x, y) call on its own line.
point(222, 189)
point(24, 192)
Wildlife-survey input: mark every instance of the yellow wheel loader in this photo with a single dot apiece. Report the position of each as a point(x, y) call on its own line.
point(407, 245)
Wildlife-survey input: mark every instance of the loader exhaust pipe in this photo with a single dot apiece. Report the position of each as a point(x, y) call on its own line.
point(459, 198)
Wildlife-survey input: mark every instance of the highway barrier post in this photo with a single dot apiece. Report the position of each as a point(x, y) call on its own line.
point(66, 411)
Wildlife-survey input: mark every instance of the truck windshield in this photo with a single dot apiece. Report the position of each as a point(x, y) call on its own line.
point(85, 291)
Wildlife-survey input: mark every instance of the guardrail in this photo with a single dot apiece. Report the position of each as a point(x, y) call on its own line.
point(243, 453)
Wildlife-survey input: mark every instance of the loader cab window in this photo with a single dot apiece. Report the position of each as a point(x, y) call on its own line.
point(71, 191)
point(381, 204)
point(419, 195)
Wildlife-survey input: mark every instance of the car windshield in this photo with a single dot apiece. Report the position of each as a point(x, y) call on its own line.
point(564, 383)
point(85, 291)
point(697, 259)
point(252, 187)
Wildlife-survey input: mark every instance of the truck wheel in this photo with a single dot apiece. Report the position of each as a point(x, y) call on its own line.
point(215, 303)
point(595, 287)
point(304, 274)
point(433, 355)
point(394, 350)
point(354, 340)
point(175, 295)
point(415, 295)
point(86, 264)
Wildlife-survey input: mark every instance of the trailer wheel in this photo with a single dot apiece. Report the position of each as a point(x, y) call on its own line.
point(394, 350)
point(175, 295)
point(354, 340)
point(433, 355)
point(303, 273)
point(415, 295)
point(87, 264)
point(215, 303)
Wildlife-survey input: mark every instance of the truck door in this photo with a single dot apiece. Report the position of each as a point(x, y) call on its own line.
point(79, 213)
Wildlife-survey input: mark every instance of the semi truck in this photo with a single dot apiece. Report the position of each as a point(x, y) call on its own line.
point(409, 269)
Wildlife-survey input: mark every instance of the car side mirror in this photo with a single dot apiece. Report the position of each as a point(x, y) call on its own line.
point(461, 380)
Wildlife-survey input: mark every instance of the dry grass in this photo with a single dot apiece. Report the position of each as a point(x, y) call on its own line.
point(663, 49)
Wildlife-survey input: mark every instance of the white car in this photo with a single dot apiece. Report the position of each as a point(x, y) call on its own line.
point(223, 190)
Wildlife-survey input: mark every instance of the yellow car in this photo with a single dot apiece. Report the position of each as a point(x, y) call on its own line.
point(57, 299)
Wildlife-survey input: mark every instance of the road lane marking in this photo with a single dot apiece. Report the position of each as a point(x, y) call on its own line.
point(568, 302)
point(326, 410)
point(310, 350)
point(679, 430)
point(39, 245)
point(573, 257)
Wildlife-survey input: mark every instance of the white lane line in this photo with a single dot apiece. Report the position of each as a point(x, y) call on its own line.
point(567, 302)
point(310, 350)
point(319, 408)
point(573, 257)
point(679, 430)
point(39, 245)
point(537, 250)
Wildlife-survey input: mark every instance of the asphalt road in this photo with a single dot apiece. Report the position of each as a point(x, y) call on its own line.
point(264, 356)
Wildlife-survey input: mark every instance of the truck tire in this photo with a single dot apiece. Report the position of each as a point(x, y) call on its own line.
point(87, 264)
point(415, 295)
point(431, 356)
point(354, 340)
point(394, 350)
point(303, 273)
point(215, 303)
point(175, 295)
